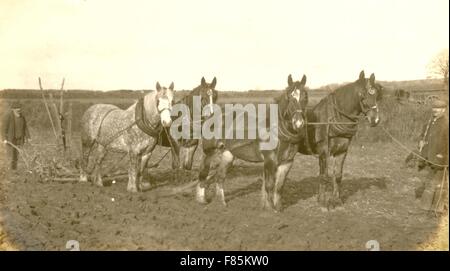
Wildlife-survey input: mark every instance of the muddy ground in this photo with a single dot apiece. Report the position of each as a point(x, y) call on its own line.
point(379, 205)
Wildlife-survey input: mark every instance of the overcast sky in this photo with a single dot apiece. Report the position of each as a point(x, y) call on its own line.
point(105, 44)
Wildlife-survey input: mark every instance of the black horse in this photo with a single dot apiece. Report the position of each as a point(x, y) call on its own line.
point(219, 154)
point(183, 149)
point(330, 142)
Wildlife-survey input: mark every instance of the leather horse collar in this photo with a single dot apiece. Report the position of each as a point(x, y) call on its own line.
point(143, 123)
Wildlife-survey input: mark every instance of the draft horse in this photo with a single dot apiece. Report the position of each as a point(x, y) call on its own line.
point(219, 154)
point(332, 123)
point(183, 150)
point(134, 130)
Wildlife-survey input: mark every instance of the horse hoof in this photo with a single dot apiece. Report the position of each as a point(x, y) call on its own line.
point(278, 207)
point(145, 186)
point(334, 202)
point(267, 206)
point(321, 199)
point(200, 194)
point(132, 189)
point(83, 179)
point(202, 201)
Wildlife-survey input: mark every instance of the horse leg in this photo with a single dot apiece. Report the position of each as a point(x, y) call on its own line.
point(339, 167)
point(133, 168)
point(226, 160)
point(175, 151)
point(280, 177)
point(98, 165)
point(188, 156)
point(86, 149)
point(143, 186)
point(267, 189)
point(202, 177)
point(331, 163)
point(323, 176)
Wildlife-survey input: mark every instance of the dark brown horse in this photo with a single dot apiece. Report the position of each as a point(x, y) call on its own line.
point(184, 149)
point(330, 143)
point(219, 154)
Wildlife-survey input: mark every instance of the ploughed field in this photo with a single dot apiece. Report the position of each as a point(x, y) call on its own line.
point(378, 191)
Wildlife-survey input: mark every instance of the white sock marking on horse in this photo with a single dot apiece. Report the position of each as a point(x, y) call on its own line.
point(200, 194)
point(280, 175)
point(221, 193)
point(83, 177)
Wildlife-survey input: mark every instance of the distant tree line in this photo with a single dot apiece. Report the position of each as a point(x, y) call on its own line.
point(390, 88)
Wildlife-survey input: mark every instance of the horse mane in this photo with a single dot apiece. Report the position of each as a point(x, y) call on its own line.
point(195, 90)
point(282, 97)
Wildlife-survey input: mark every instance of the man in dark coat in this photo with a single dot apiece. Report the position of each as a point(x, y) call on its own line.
point(433, 146)
point(15, 132)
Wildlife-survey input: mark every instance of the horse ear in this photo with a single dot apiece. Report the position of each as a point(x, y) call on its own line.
point(290, 82)
point(362, 76)
point(171, 86)
point(372, 79)
point(213, 83)
point(158, 87)
point(303, 82)
point(203, 81)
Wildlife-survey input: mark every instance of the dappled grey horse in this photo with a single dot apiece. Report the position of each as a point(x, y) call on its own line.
point(134, 130)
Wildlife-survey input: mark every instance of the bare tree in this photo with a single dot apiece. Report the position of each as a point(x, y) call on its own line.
point(438, 67)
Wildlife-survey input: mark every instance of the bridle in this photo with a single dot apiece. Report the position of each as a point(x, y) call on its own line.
point(362, 97)
point(162, 104)
point(284, 132)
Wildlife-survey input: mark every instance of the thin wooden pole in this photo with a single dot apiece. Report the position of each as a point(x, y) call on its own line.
point(61, 115)
point(55, 114)
point(48, 110)
point(69, 125)
point(61, 101)
point(326, 123)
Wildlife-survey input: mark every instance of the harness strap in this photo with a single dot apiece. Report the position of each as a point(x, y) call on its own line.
point(336, 114)
point(143, 123)
point(103, 119)
point(287, 135)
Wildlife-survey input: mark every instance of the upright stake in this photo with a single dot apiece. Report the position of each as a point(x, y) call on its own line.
point(48, 110)
point(69, 125)
point(61, 115)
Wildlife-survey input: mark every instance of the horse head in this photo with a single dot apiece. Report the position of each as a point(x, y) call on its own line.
point(369, 95)
point(164, 101)
point(293, 103)
point(208, 94)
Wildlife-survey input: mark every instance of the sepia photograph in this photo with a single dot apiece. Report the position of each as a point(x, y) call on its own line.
point(239, 125)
